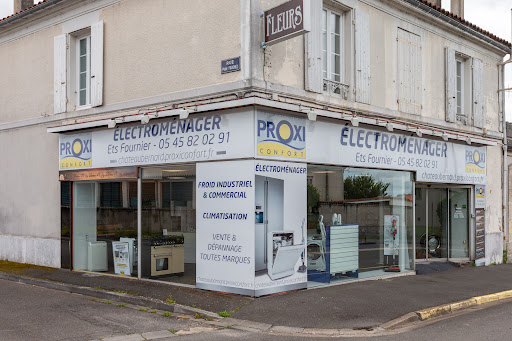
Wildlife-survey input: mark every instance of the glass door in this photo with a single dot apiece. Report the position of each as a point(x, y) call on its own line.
point(459, 222)
point(436, 237)
point(442, 223)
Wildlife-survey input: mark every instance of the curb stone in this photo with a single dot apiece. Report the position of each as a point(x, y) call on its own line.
point(429, 313)
point(420, 315)
point(110, 295)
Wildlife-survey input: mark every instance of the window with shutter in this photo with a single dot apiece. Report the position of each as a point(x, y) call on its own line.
point(410, 88)
point(83, 77)
point(464, 102)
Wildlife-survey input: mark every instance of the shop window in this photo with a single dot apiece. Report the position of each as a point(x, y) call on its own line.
point(104, 232)
point(65, 224)
point(359, 223)
point(168, 224)
point(110, 194)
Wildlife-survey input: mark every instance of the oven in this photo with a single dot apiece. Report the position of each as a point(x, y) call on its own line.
point(167, 259)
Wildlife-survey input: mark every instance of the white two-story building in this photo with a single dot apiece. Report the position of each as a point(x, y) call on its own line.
point(250, 146)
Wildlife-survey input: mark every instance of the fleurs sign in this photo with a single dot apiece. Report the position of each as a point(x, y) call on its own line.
point(287, 21)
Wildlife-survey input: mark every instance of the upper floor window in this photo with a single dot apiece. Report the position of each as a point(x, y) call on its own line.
point(464, 98)
point(410, 68)
point(332, 43)
point(78, 69)
point(330, 46)
point(83, 67)
point(460, 85)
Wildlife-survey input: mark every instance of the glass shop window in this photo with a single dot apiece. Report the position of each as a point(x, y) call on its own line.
point(359, 223)
point(169, 224)
point(104, 228)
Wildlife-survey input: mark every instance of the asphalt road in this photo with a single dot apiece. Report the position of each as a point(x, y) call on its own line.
point(35, 313)
point(488, 323)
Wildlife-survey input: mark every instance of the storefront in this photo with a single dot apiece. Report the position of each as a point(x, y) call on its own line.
point(256, 201)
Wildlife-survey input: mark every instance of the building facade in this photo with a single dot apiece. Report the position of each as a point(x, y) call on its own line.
point(250, 146)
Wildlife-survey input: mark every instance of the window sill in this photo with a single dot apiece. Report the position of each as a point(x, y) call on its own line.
point(83, 107)
point(336, 88)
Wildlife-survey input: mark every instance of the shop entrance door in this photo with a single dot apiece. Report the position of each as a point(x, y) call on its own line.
point(442, 223)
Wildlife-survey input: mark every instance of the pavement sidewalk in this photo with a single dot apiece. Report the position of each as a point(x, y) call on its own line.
point(358, 305)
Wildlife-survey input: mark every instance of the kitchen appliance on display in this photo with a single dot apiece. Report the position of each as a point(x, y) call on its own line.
point(269, 195)
point(282, 254)
point(316, 248)
point(167, 255)
point(97, 256)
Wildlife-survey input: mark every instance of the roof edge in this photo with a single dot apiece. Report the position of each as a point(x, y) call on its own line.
point(461, 24)
point(27, 11)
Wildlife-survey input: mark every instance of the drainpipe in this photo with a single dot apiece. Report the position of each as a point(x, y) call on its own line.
point(501, 103)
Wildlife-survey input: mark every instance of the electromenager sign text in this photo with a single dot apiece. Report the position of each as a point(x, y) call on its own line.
point(161, 141)
point(433, 160)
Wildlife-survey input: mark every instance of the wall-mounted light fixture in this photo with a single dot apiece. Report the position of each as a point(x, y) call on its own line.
point(112, 123)
point(354, 121)
point(389, 126)
point(311, 114)
point(468, 140)
point(146, 117)
point(418, 132)
point(445, 136)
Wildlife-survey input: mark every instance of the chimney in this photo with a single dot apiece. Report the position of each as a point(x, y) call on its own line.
point(20, 5)
point(457, 8)
point(436, 3)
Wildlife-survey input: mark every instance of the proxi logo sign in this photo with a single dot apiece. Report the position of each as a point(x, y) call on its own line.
point(281, 136)
point(75, 151)
point(475, 161)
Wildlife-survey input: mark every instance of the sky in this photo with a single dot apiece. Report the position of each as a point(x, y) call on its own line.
point(491, 15)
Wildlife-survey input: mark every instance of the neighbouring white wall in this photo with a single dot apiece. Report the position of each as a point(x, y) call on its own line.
point(26, 76)
point(30, 196)
point(162, 46)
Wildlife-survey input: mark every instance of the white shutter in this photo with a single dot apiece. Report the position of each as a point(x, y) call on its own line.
point(410, 86)
point(362, 57)
point(97, 64)
point(313, 50)
point(59, 74)
point(451, 86)
point(478, 100)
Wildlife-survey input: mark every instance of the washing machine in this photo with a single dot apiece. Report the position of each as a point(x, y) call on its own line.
point(316, 254)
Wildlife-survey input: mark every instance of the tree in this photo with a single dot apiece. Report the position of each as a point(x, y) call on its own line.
point(359, 187)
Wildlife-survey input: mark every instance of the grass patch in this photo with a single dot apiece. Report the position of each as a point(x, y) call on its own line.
point(224, 314)
point(167, 314)
point(93, 300)
point(153, 312)
point(97, 288)
point(198, 316)
point(170, 299)
point(229, 327)
point(194, 306)
point(20, 268)
point(107, 302)
point(125, 292)
point(122, 305)
point(174, 331)
point(208, 319)
point(143, 309)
